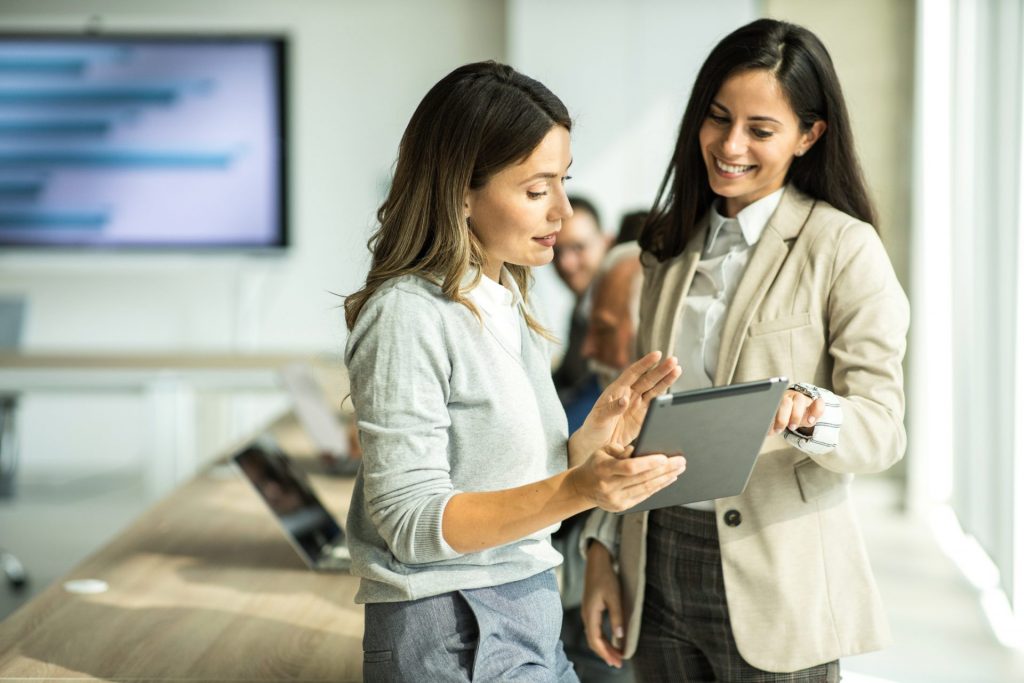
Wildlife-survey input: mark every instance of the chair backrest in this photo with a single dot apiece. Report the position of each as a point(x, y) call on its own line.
point(12, 319)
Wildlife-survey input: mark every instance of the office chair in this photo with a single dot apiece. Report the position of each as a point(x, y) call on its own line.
point(12, 311)
point(12, 568)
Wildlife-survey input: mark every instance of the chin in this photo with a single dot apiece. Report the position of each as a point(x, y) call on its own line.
point(543, 259)
point(726, 189)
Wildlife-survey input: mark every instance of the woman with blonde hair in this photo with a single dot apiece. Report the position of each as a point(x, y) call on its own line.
point(467, 466)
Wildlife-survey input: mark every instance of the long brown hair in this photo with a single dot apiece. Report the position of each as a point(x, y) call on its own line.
point(474, 122)
point(828, 171)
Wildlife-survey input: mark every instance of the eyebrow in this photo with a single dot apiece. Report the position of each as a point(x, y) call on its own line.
point(749, 118)
point(546, 174)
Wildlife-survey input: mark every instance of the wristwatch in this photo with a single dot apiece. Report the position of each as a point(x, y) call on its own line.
point(809, 390)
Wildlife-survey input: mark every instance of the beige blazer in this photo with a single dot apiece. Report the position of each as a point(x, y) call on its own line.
point(819, 302)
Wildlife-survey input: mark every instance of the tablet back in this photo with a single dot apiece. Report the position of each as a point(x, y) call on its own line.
point(719, 430)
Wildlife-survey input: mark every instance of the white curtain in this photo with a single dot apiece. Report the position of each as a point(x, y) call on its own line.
point(966, 359)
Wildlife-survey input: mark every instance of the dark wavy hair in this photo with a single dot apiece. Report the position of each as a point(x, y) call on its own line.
point(474, 122)
point(829, 170)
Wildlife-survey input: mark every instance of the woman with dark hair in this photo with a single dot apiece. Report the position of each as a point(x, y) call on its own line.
point(760, 260)
point(467, 467)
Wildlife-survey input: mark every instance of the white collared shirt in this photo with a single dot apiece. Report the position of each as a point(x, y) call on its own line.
point(499, 306)
point(727, 251)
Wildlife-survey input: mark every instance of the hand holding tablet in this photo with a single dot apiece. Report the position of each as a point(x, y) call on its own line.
point(720, 430)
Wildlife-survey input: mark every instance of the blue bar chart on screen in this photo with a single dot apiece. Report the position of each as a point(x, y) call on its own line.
point(135, 142)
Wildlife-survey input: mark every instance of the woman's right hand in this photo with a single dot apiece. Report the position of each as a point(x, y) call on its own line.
point(612, 480)
point(602, 593)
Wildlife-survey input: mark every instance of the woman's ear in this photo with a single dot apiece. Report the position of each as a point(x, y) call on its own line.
point(815, 132)
point(467, 205)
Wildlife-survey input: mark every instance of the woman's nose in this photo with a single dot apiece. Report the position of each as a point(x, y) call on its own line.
point(735, 142)
point(588, 348)
point(563, 209)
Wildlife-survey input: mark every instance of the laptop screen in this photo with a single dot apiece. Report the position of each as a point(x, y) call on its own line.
point(288, 494)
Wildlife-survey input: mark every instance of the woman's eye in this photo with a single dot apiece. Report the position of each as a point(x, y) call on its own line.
point(718, 118)
point(761, 133)
point(535, 195)
point(566, 177)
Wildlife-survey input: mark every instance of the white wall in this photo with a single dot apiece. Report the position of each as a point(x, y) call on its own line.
point(358, 68)
point(625, 70)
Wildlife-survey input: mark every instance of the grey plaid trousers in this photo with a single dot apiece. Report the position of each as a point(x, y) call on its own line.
point(685, 634)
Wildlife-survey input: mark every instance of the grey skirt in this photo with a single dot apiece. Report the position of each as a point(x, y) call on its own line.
point(500, 633)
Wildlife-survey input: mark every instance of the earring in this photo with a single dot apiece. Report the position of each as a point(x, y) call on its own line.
point(800, 152)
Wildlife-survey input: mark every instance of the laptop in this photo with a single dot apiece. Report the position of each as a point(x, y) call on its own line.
point(309, 527)
point(319, 419)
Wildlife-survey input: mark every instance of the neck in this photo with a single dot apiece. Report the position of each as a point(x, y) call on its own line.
point(731, 209)
point(492, 269)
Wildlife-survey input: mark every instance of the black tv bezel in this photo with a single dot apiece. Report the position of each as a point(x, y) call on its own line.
point(281, 43)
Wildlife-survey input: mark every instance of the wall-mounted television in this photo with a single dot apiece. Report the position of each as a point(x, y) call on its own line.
point(134, 142)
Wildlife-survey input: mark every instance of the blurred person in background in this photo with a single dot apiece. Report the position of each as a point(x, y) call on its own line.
point(608, 348)
point(611, 332)
point(579, 248)
point(630, 226)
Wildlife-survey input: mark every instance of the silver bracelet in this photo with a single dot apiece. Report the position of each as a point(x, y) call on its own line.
point(809, 390)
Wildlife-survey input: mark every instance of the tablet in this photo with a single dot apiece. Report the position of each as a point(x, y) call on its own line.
point(719, 430)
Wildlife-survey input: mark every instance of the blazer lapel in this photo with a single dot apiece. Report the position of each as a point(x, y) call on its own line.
point(767, 258)
point(678, 277)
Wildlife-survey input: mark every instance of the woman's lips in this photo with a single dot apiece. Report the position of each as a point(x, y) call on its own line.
point(732, 170)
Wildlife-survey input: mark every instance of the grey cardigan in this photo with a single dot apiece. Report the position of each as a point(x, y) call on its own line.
point(443, 407)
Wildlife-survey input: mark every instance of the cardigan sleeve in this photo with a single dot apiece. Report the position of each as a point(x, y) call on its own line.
point(399, 369)
point(868, 318)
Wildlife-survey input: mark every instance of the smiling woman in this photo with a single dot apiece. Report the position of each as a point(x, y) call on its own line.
point(749, 139)
point(761, 261)
point(467, 468)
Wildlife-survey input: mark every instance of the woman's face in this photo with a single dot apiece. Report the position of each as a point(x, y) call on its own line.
point(517, 214)
point(749, 138)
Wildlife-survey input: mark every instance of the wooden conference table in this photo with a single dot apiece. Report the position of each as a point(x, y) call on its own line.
point(202, 587)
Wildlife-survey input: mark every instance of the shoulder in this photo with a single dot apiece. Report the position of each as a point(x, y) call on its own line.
point(409, 290)
point(404, 309)
point(406, 295)
point(858, 262)
point(653, 268)
point(835, 231)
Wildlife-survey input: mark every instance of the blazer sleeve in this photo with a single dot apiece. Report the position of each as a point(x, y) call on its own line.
point(868, 317)
point(399, 368)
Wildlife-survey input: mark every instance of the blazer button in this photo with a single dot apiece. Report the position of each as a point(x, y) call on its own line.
point(733, 517)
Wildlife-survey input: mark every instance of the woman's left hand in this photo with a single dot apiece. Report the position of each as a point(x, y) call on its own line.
point(620, 409)
point(797, 412)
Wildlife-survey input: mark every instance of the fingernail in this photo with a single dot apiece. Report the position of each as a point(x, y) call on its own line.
point(811, 420)
point(618, 632)
point(793, 426)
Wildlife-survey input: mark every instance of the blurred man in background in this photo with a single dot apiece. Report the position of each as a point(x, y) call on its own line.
point(611, 332)
point(607, 348)
point(579, 248)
